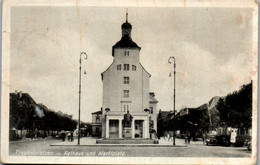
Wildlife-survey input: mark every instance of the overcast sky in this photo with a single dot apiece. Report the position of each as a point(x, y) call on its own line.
point(212, 47)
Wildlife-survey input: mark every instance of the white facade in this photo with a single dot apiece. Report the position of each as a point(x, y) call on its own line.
point(126, 88)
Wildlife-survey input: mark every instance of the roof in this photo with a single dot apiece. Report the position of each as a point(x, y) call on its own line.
point(24, 96)
point(126, 25)
point(145, 70)
point(126, 42)
point(165, 113)
point(97, 112)
point(106, 70)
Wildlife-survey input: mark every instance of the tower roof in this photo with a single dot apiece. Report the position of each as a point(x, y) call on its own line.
point(126, 40)
point(126, 25)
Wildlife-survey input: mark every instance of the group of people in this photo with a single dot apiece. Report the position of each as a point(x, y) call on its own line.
point(169, 136)
point(187, 138)
point(69, 135)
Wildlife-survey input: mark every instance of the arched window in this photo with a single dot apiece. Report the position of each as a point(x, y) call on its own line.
point(133, 68)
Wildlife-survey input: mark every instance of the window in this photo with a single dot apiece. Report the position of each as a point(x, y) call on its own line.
point(126, 53)
point(126, 107)
point(151, 110)
point(133, 68)
point(97, 119)
point(113, 123)
point(97, 129)
point(118, 67)
point(126, 80)
point(126, 66)
point(126, 93)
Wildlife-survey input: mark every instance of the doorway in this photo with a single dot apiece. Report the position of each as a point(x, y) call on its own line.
point(113, 129)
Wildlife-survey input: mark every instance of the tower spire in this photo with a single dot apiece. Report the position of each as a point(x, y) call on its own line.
point(126, 15)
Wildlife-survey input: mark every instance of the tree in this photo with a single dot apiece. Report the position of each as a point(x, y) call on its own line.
point(236, 109)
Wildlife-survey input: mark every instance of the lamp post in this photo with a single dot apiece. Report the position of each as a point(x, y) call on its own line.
point(82, 53)
point(174, 66)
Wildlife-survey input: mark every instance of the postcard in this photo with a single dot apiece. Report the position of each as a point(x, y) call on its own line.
point(129, 82)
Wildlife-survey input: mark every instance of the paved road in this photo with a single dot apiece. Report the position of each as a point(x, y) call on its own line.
point(195, 149)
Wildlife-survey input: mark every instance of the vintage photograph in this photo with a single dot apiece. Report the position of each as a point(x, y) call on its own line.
point(83, 83)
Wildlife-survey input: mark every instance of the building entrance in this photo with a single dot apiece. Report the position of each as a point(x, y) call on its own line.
point(139, 128)
point(113, 129)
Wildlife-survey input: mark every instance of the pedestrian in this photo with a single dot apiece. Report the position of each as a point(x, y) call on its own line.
point(233, 137)
point(186, 138)
point(168, 136)
point(203, 137)
point(189, 137)
point(155, 134)
point(164, 135)
point(71, 136)
point(171, 136)
point(63, 136)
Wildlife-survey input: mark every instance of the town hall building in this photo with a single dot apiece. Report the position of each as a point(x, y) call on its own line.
point(129, 109)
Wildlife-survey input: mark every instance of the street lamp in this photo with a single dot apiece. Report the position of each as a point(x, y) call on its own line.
point(174, 66)
point(85, 54)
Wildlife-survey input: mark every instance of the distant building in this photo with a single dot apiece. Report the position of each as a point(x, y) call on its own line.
point(184, 111)
point(96, 123)
point(129, 108)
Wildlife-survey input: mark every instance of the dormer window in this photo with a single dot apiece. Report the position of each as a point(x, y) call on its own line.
point(126, 53)
point(133, 68)
point(118, 67)
point(126, 66)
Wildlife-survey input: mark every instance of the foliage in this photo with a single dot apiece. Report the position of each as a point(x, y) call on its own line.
point(195, 121)
point(23, 115)
point(236, 109)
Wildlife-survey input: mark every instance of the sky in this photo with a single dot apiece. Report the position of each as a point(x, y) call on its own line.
point(212, 47)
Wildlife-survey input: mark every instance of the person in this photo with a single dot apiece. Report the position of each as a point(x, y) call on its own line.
point(164, 135)
point(203, 137)
point(189, 137)
point(71, 136)
point(186, 138)
point(233, 137)
point(63, 136)
point(155, 134)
